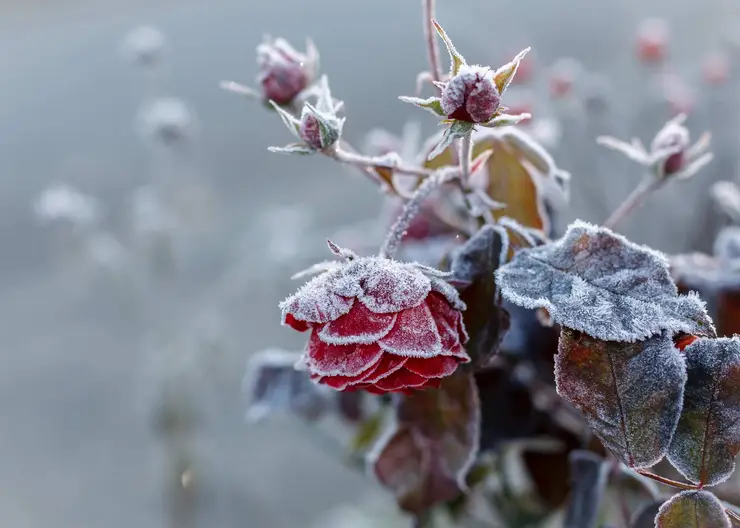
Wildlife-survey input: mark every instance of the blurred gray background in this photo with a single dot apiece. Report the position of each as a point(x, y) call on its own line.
point(77, 447)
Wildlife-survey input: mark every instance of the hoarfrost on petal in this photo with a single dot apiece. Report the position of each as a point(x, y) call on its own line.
point(390, 286)
point(414, 335)
point(359, 326)
point(325, 359)
point(597, 282)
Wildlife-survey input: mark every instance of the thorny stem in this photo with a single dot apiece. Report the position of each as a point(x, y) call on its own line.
point(429, 33)
point(667, 481)
point(633, 201)
point(411, 209)
point(358, 160)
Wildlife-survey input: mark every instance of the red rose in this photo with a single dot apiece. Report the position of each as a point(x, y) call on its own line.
point(378, 325)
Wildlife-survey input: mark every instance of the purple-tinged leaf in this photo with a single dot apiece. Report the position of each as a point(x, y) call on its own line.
point(707, 438)
point(692, 509)
point(427, 454)
point(274, 384)
point(597, 282)
point(485, 320)
point(588, 475)
point(645, 518)
point(629, 393)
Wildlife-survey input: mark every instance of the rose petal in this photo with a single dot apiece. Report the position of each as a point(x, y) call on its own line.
point(387, 365)
point(414, 335)
point(314, 303)
point(448, 293)
point(340, 360)
point(436, 367)
point(402, 379)
point(294, 323)
point(359, 326)
point(390, 286)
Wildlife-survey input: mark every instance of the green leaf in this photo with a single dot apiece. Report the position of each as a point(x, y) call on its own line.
point(629, 393)
point(293, 148)
point(457, 60)
point(289, 120)
point(367, 432)
point(432, 104)
point(427, 455)
point(506, 120)
point(504, 75)
point(457, 129)
point(708, 435)
point(692, 509)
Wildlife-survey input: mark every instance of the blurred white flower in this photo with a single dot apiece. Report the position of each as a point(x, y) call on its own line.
point(63, 202)
point(167, 120)
point(144, 46)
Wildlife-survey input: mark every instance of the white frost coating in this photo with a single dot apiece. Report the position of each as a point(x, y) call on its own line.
point(334, 360)
point(698, 509)
point(357, 328)
point(414, 335)
point(597, 282)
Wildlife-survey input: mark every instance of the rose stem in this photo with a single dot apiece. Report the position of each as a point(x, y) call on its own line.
point(632, 202)
point(429, 8)
point(667, 481)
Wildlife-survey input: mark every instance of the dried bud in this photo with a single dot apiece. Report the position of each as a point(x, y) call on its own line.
point(716, 68)
point(471, 95)
point(317, 130)
point(284, 72)
point(652, 40)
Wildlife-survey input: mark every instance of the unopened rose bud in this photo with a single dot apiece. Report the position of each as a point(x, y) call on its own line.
point(284, 72)
point(716, 68)
point(672, 137)
point(318, 131)
point(471, 95)
point(310, 131)
point(652, 40)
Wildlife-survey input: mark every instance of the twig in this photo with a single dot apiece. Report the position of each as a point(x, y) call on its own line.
point(428, 9)
point(732, 515)
point(632, 202)
point(365, 162)
point(667, 481)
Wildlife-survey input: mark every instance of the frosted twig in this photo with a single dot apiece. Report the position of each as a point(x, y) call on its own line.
point(358, 160)
point(667, 481)
point(412, 208)
point(633, 201)
point(428, 9)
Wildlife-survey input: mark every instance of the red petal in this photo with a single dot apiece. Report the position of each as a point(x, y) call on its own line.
point(340, 360)
point(684, 340)
point(294, 323)
point(360, 326)
point(387, 365)
point(448, 320)
point(402, 379)
point(414, 335)
point(436, 367)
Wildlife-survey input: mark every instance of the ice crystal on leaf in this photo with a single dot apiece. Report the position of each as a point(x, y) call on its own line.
point(692, 509)
point(708, 435)
point(629, 393)
point(597, 282)
point(379, 325)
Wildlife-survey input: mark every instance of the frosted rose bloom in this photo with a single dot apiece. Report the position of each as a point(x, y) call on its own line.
point(284, 72)
point(471, 95)
point(378, 325)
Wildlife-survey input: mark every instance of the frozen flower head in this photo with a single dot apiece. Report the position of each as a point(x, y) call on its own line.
point(652, 40)
point(61, 202)
point(167, 120)
point(378, 325)
point(471, 96)
point(671, 155)
point(319, 127)
point(284, 72)
point(144, 46)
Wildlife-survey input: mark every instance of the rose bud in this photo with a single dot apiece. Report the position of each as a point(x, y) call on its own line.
point(471, 95)
point(672, 138)
point(652, 40)
point(317, 130)
point(378, 325)
point(284, 72)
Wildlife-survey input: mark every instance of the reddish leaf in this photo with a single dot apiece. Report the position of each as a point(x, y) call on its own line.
point(425, 458)
point(630, 393)
point(707, 438)
point(692, 509)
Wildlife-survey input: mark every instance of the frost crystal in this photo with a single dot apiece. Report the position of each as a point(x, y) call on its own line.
point(629, 393)
point(708, 435)
point(597, 282)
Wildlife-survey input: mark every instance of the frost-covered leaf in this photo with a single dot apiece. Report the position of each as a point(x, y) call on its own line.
point(432, 104)
point(293, 148)
point(288, 119)
point(629, 393)
point(708, 435)
point(457, 60)
point(485, 320)
point(427, 454)
point(505, 74)
point(505, 120)
point(692, 509)
point(726, 195)
point(645, 517)
point(273, 384)
point(588, 475)
point(596, 281)
point(456, 130)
